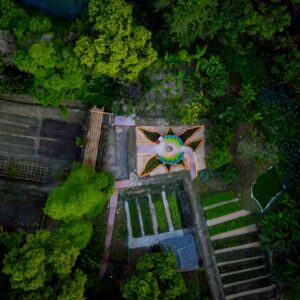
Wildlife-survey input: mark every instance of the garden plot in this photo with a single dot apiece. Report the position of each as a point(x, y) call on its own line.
point(233, 234)
point(152, 218)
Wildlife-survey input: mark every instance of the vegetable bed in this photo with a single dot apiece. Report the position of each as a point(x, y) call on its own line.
point(244, 276)
point(238, 254)
point(160, 213)
point(266, 187)
point(146, 215)
point(230, 225)
point(134, 218)
point(174, 210)
point(223, 210)
point(235, 241)
point(217, 198)
point(241, 265)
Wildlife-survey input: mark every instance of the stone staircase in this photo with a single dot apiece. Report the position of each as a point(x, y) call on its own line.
point(241, 263)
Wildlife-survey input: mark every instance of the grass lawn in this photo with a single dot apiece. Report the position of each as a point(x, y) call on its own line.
point(223, 210)
point(231, 225)
point(266, 187)
point(146, 215)
point(174, 210)
point(134, 218)
point(160, 213)
point(217, 198)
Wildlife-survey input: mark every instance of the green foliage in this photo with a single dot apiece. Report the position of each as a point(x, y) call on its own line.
point(235, 240)
point(218, 157)
point(174, 210)
point(78, 232)
point(266, 187)
point(217, 198)
point(160, 213)
point(120, 50)
point(134, 218)
point(157, 278)
point(73, 289)
point(231, 225)
point(192, 19)
point(84, 193)
point(227, 173)
point(146, 215)
point(222, 210)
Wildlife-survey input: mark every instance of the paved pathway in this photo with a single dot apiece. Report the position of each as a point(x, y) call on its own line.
point(124, 121)
point(167, 211)
point(140, 217)
point(220, 204)
point(241, 247)
point(153, 214)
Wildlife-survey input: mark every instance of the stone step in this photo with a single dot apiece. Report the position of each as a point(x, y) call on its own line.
point(245, 246)
point(220, 204)
point(245, 281)
point(229, 217)
point(251, 292)
point(237, 260)
point(242, 271)
point(235, 232)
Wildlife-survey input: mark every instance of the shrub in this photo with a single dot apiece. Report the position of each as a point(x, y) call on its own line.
point(218, 157)
point(227, 173)
point(84, 193)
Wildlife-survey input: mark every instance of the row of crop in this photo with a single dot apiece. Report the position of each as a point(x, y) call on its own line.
point(231, 225)
point(235, 241)
point(134, 218)
point(217, 198)
point(160, 213)
point(238, 254)
point(223, 210)
point(146, 215)
point(241, 265)
point(174, 210)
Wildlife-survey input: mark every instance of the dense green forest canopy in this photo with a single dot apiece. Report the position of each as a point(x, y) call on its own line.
point(234, 63)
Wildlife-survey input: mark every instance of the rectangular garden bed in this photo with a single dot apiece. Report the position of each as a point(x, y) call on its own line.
point(160, 212)
point(134, 218)
point(146, 215)
point(217, 198)
point(174, 210)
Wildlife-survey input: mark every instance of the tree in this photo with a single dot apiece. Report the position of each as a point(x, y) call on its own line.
point(117, 47)
point(157, 278)
point(84, 193)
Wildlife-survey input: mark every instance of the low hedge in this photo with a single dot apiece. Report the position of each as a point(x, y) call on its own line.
point(231, 225)
point(174, 210)
point(217, 198)
point(223, 210)
point(134, 218)
point(160, 213)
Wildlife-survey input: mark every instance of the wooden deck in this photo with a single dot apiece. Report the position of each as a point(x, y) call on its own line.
point(93, 137)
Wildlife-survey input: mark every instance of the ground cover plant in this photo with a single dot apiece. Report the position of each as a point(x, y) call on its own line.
point(146, 215)
point(160, 213)
point(231, 225)
point(217, 198)
point(174, 210)
point(266, 187)
point(223, 210)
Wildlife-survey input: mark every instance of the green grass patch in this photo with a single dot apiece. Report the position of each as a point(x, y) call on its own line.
point(266, 187)
point(244, 276)
point(174, 210)
point(146, 215)
point(160, 213)
point(217, 198)
point(223, 210)
point(231, 225)
point(235, 241)
point(241, 265)
point(134, 218)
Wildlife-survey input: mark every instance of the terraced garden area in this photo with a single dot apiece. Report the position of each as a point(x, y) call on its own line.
point(153, 214)
point(233, 233)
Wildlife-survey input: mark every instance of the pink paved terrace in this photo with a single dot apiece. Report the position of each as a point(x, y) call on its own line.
point(165, 149)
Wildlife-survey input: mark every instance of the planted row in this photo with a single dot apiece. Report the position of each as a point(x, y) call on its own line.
point(223, 210)
point(160, 213)
point(241, 265)
point(263, 282)
point(174, 210)
point(235, 241)
point(238, 254)
point(146, 215)
point(231, 225)
point(217, 198)
point(134, 218)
